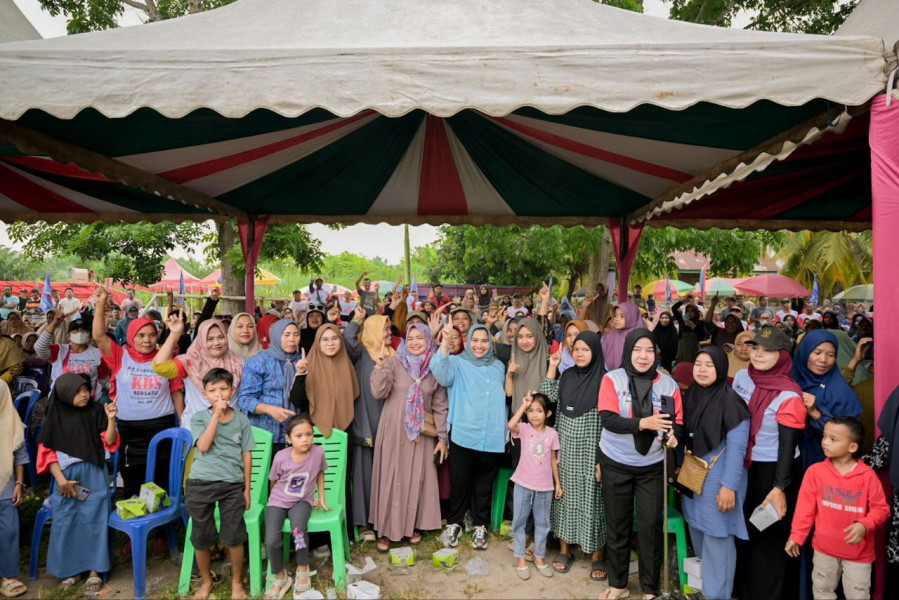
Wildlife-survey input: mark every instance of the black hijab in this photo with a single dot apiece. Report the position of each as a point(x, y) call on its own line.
point(307, 333)
point(71, 429)
point(579, 387)
point(666, 338)
point(640, 387)
point(710, 412)
point(888, 422)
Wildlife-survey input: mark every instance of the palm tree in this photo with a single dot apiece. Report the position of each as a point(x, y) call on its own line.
point(837, 258)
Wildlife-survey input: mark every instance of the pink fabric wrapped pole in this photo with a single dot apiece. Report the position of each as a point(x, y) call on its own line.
point(251, 245)
point(624, 263)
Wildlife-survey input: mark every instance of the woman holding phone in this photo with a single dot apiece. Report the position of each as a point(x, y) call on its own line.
point(641, 414)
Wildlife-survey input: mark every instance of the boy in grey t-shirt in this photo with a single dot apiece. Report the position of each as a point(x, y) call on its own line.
point(220, 474)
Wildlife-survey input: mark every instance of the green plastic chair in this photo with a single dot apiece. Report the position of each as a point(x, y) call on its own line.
point(677, 527)
point(500, 489)
point(334, 520)
point(261, 462)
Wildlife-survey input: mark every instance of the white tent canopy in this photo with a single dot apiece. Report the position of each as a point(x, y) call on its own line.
point(14, 26)
point(879, 18)
point(395, 56)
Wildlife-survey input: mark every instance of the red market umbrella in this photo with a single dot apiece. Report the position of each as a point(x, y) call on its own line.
point(772, 285)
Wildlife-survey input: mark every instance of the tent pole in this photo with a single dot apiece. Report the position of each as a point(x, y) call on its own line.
point(625, 243)
point(251, 233)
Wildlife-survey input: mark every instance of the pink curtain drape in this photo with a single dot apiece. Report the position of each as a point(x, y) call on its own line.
point(250, 245)
point(624, 260)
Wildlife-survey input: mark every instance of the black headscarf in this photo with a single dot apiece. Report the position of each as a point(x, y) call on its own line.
point(888, 422)
point(710, 412)
point(640, 387)
point(71, 429)
point(579, 387)
point(666, 338)
point(307, 333)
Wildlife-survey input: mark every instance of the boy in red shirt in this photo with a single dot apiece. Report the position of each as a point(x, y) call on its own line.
point(843, 499)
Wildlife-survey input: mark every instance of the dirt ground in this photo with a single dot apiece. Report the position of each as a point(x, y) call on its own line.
point(422, 581)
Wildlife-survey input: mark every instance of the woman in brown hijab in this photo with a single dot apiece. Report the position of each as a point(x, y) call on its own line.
point(326, 383)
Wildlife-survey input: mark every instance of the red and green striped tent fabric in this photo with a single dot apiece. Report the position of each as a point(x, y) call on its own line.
point(582, 166)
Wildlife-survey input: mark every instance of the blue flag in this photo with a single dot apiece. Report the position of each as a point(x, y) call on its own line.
point(814, 297)
point(702, 284)
point(414, 287)
point(46, 297)
point(181, 284)
point(668, 290)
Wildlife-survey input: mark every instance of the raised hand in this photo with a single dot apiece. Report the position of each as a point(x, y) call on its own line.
point(359, 313)
point(526, 401)
point(175, 324)
point(100, 295)
point(111, 410)
point(302, 364)
point(434, 324)
point(555, 359)
point(544, 292)
point(513, 366)
point(383, 355)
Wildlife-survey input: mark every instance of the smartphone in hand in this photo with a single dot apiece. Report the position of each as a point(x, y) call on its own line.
point(82, 492)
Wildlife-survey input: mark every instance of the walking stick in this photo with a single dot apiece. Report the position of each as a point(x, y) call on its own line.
point(666, 589)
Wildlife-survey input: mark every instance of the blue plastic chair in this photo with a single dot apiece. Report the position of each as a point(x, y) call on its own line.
point(45, 513)
point(138, 529)
point(25, 401)
point(25, 384)
point(31, 440)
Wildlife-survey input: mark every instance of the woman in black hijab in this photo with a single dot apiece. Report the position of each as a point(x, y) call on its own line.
point(578, 517)
point(631, 453)
point(665, 332)
point(717, 428)
point(74, 439)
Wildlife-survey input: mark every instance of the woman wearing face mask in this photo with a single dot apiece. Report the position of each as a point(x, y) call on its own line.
point(209, 350)
point(477, 426)
point(578, 518)
point(374, 336)
point(404, 495)
point(326, 385)
point(625, 318)
point(147, 403)
point(630, 458)
point(266, 380)
point(717, 429)
point(778, 417)
point(242, 338)
point(78, 356)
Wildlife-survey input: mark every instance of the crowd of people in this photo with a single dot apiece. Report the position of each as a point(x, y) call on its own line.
point(587, 400)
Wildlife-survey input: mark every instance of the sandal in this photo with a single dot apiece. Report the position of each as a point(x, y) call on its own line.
point(607, 595)
point(307, 575)
point(216, 577)
point(529, 552)
point(597, 566)
point(545, 570)
point(283, 587)
point(384, 545)
point(12, 588)
point(415, 539)
point(367, 535)
point(69, 582)
point(524, 573)
point(93, 585)
point(563, 559)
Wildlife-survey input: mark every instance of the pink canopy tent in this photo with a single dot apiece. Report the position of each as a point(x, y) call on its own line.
point(171, 278)
point(772, 285)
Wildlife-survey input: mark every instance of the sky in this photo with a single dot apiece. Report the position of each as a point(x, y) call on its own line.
point(385, 241)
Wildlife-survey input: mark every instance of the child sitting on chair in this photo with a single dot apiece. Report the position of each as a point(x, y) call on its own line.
point(220, 473)
point(295, 472)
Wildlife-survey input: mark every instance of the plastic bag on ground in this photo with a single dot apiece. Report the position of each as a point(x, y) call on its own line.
point(477, 566)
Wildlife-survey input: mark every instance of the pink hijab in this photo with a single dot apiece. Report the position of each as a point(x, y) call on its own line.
point(198, 361)
point(613, 342)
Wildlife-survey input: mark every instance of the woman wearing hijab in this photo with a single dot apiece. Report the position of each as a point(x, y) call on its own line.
point(625, 318)
point(404, 495)
point(630, 457)
point(716, 423)
point(12, 363)
point(777, 420)
point(733, 326)
point(315, 318)
point(573, 329)
point(477, 429)
point(738, 358)
point(13, 458)
point(326, 385)
point(242, 339)
point(264, 327)
point(692, 328)
point(267, 378)
point(74, 443)
point(528, 361)
point(578, 518)
point(885, 455)
point(121, 329)
point(665, 332)
point(147, 403)
point(566, 310)
point(209, 350)
point(373, 336)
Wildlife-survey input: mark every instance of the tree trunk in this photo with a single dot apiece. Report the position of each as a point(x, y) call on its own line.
point(598, 268)
point(232, 285)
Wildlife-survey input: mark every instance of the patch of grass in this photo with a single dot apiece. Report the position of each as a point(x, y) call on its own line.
point(410, 593)
point(472, 589)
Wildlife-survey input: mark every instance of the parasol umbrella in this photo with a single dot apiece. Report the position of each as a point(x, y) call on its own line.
point(676, 286)
point(718, 285)
point(772, 285)
point(858, 293)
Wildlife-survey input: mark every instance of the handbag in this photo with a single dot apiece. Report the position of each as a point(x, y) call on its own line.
point(429, 429)
point(694, 470)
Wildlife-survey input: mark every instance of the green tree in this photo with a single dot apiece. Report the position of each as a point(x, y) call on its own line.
point(133, 253)
point(839, 259)
point(802, 16)
point(732, 252)
point(94, 15)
